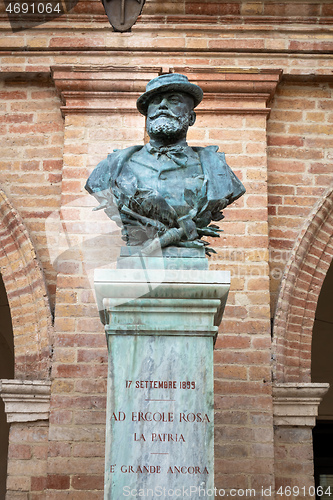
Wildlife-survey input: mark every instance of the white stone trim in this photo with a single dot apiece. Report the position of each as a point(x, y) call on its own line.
point(296, 404)
point(26, 400)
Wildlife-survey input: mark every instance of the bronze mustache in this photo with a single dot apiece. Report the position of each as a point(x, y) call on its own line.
point(164, 113)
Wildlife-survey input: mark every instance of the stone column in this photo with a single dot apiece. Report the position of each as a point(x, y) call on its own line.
point(27, 406)
point(160, 326)
point(295, 407)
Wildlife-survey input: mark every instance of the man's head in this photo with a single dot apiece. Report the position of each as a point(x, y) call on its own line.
point(169, 103)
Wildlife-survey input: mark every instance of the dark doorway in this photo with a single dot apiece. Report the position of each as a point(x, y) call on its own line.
point(322, 371)
point(6, 371)
point(323, 457)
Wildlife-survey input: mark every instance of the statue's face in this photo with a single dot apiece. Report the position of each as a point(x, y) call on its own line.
point(169, 115)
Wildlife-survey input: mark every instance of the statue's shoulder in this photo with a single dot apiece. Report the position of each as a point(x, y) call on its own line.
point(109, 168)
point(210, 152)
point(120, 154)
point(225, 183)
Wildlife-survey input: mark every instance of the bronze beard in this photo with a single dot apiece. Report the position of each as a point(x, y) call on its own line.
point(166, 125)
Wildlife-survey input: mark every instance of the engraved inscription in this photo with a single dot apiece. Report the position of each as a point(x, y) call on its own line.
point(160, 384)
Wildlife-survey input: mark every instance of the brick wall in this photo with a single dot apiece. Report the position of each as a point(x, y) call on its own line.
point(293, 460)
point(27, 296)
point(31, 138)
point(27, 454)
point(300, 288)
point(242, 361)
point(219, 34)
point(300, 142)
point(237, 8)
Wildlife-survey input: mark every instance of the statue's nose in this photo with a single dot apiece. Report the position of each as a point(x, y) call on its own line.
point(164, 103)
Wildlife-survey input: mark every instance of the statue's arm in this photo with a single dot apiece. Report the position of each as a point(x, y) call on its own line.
point(235, 186)
point(102, 179)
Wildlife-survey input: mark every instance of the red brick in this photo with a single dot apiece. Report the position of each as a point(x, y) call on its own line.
point(277, 140)
point(91, 386)
point(17, 118)
point(76, 495)
point(88, 449)
point(58, 482)
point(38, 483)
point(240, 357)
point(231, 372)
point(79, 402)
point(13, 95)
point(260, 373)
point(289, 9)
point(236, 311)
point(59, 449)
point(64, 42)
point(20, 451)
point(241, 387)
point(51, 165)
point(234, 342)
point(90, 417)
point(79, 371)
point(86, 482)
point(61, 417)
point(40, 451)
point(89, 355)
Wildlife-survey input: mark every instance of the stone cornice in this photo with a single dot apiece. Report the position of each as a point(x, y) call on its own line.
point(101, 89)
point(111, 89)
point(94, 78)
point(26, 400)
point(245, 89)
point(296, 404)
point(77, 21)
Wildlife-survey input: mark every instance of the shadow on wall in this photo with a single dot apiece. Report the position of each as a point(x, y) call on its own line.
point(322, 371)
point(6, 371)
point(322, 345)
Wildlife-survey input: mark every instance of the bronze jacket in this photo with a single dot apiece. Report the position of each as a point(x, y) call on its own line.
point(223, 187)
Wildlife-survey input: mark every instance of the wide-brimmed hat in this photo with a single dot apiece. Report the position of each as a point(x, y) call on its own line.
point(166, 83)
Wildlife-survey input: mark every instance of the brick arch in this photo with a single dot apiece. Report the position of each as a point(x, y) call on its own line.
point(27, 295)
point(299, 293)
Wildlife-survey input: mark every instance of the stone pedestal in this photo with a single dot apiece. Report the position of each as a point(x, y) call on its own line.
point(160, 326)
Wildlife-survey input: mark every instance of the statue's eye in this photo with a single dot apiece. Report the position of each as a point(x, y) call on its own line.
point(155, 100)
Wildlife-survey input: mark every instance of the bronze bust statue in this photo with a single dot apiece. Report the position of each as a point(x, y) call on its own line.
point(166, 193)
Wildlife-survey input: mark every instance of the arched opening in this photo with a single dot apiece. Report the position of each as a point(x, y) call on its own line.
point(23, 278)
point(298, 298)
point(6, 371)
point(322, 371)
